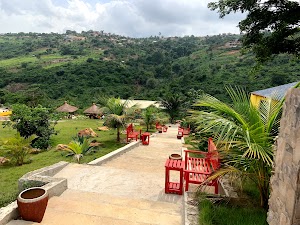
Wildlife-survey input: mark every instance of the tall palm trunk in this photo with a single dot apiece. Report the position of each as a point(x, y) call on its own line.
point(118, 134)
point(264, 185)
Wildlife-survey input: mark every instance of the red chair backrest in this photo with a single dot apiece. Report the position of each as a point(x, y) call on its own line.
point(129, 129)
point(213, 154)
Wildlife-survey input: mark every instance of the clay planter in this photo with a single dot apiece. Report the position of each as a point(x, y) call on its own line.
point(32, 204)
point(175, 156)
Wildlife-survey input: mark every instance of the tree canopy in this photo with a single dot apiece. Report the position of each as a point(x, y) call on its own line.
point(138, 68)
point(271, 27)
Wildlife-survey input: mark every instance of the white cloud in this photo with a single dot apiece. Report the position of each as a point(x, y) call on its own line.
point(136, 18)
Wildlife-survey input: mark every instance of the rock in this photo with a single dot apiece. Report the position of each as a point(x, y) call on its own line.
point(61, 147)
point(87, 132)
point(3, 160)
point(95, 144)
point(35, 151)
point(104, 128)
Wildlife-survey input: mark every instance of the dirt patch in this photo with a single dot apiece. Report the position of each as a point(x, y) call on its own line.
point(233, 52)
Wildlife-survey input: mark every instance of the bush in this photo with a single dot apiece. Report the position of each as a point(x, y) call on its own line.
point(33, 121)
point(17, 148)
point(89, 60)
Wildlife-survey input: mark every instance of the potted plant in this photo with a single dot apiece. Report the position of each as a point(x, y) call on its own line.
point(32, 203)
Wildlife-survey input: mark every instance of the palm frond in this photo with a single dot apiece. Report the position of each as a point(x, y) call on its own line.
point(219, 107)
point(210, 122)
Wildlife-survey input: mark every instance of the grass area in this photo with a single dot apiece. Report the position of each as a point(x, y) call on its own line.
point(230, 214)
point(50, 60)
point(17, 61)
point(235, 211)
point(66, 130)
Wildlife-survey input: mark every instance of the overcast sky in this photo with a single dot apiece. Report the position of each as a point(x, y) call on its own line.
point(134, 18)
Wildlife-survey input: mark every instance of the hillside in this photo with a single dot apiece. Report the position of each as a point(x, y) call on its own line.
point(79, 67)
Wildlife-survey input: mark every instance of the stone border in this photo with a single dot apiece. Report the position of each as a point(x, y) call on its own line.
point(41, 177)
point(109, 156)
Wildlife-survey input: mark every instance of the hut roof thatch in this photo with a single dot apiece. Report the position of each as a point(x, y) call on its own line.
point(66, 108)
point(93, 110)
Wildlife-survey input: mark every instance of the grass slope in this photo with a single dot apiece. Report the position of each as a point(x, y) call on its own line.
point(67, 129)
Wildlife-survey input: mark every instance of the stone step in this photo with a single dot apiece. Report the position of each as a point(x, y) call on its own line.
point(80, 208)
point(55, 217)
point(112, 211)
point(173, 208)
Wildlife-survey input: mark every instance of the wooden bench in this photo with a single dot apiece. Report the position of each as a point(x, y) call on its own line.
point(180, 133)
point(185, 130)
point(131, 134)
point(161, 128)
point(158, 127)
point(197, 170)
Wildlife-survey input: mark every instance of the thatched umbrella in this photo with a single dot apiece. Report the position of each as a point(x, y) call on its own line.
point(93, 111)
point(67, 108)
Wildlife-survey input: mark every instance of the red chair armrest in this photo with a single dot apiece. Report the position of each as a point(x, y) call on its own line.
point(195, 151)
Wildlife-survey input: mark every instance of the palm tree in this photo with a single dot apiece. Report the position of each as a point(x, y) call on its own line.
point(78, 148)
point(117, 113)
point(148, 116)
point(172, 104)
point(245, 135)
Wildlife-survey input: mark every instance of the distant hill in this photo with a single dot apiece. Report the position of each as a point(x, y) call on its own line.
point(79, 67)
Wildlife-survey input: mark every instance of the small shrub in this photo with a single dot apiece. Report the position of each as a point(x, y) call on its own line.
point(41, 143)
point(89, 60)
point(17, 148)
point(78, 147)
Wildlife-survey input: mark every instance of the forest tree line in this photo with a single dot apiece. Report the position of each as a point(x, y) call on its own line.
point(50, 68)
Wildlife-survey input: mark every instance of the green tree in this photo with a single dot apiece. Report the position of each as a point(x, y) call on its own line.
point(33, 121)
point(117, 113)
point(245, 135)
point(270, 27)
point(172, 104)
point(148, 116)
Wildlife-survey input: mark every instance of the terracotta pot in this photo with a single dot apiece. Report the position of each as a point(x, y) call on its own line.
point(32, 204)
point(175, 156)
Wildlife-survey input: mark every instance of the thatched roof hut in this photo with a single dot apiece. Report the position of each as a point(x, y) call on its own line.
point(67, 108)
point(93, 110)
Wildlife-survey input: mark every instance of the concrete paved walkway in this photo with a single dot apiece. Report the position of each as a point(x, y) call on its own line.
point(128, 189)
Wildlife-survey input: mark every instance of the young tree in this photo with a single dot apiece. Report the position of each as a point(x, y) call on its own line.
point(33, 121)
point(245, 136)
point(117, 112)
point(271, 26)
point(172, 104)
point(148, 116)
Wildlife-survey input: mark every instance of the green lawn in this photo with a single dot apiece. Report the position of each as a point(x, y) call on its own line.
point(66, 130)
point(230, 214)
